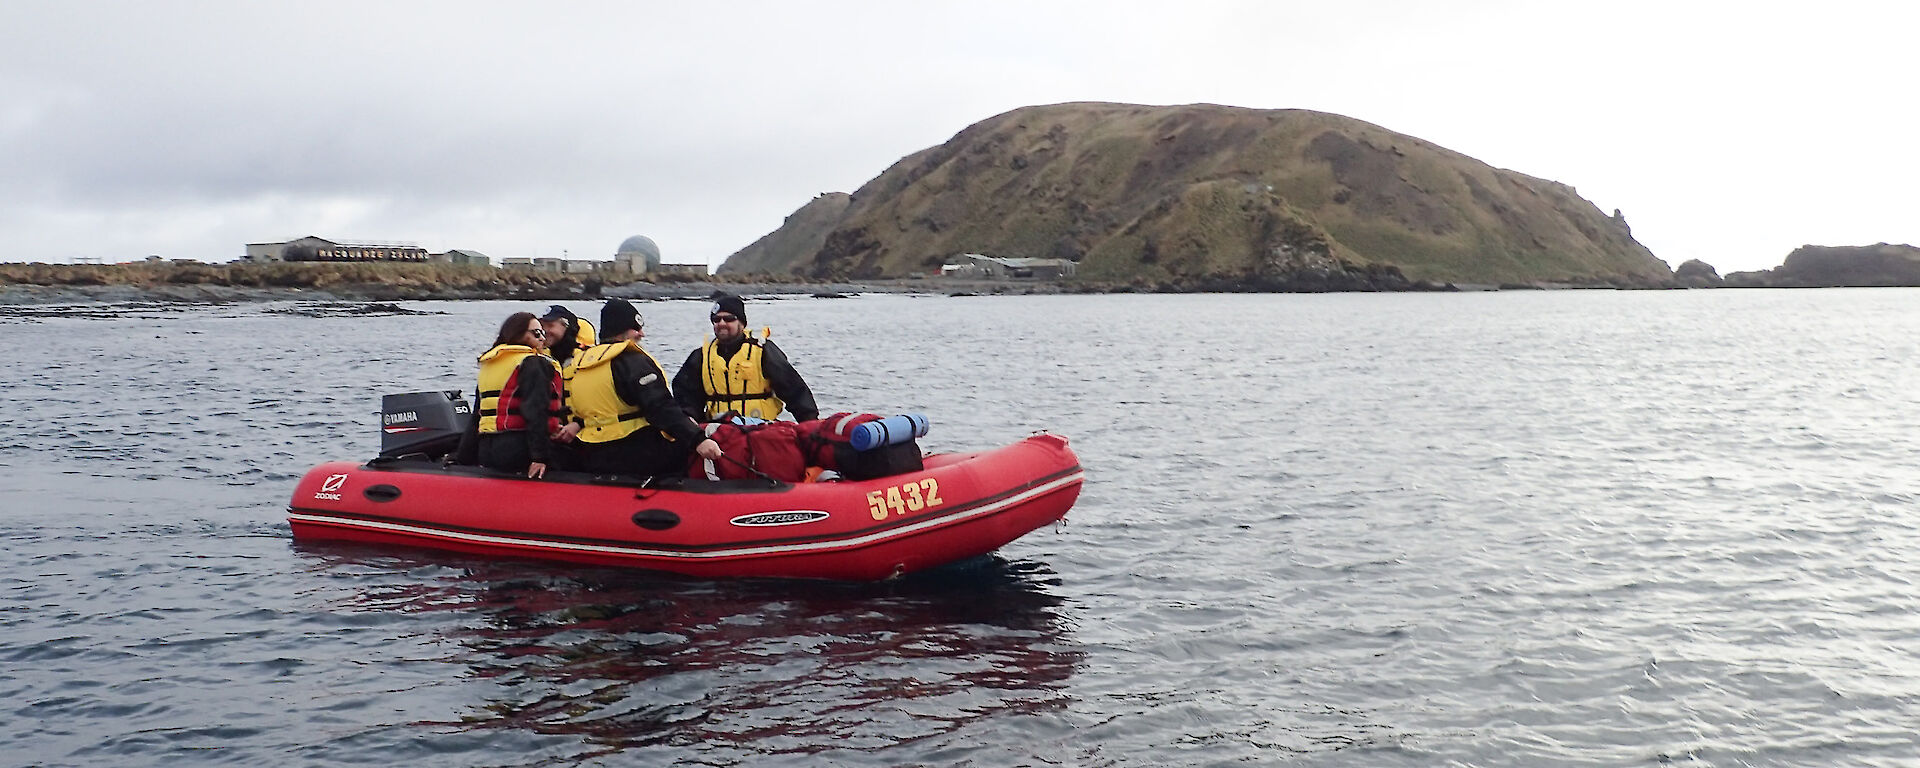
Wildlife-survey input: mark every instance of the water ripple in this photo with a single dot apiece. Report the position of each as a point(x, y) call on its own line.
point(1588, 528)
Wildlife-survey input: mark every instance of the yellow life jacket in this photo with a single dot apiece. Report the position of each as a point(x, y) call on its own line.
point(566, 383)
point(595, 403)
point(583, 340)
point(740, 384)
point(497, 367)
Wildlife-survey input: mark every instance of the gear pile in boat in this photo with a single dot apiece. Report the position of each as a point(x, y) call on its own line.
point(845, 443)
point(856, 446)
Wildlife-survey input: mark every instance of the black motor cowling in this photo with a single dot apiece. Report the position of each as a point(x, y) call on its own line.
point(427, 423)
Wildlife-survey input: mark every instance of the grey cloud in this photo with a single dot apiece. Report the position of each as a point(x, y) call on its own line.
point(188, 127)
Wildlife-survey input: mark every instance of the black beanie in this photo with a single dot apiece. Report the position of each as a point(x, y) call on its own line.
point(618, 317)
point(727, 302)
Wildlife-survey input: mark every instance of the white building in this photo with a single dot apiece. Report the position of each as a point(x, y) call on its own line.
point(311, 248)
point(975, 265)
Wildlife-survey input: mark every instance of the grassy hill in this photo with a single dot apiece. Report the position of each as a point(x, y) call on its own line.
point(803, 231)
point(1174, 195)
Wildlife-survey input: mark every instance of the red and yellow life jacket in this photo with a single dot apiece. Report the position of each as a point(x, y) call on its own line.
point(501, 393)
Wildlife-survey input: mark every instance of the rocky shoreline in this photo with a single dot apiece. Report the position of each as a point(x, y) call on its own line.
point(18, 294)
point(211, 284)
point(1881, 264)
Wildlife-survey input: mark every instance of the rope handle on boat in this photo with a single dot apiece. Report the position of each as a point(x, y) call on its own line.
point(745, 466)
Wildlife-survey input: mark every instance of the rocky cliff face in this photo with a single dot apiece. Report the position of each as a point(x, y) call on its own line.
point(1210, 195)
point(1820, 266)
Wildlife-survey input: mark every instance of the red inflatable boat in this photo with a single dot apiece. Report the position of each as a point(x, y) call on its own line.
point(957, 507)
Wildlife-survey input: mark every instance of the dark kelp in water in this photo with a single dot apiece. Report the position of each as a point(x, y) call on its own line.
point(348, 309)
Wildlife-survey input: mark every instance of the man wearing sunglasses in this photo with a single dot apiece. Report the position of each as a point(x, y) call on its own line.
point(735, 372)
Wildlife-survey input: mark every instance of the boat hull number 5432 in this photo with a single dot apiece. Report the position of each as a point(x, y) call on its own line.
point(904, 498)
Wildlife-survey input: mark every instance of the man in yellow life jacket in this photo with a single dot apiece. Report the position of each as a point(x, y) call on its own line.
point(629, 422)
point(734, 371)
point(567, 334)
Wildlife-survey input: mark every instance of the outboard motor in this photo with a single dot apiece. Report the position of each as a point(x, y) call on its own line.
point(427, 423)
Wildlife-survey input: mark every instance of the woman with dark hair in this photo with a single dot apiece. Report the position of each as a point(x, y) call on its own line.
point(517, 404)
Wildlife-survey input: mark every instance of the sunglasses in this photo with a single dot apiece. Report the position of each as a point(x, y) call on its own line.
point(538, 333)
point(723, 318)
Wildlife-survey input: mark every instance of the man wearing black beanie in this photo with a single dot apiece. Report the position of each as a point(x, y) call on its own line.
point(736, 372)
point(629, 422)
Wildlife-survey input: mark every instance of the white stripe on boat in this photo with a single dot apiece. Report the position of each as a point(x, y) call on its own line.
point(776, 549)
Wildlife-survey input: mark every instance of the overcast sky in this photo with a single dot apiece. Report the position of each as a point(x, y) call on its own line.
point(1726, 132)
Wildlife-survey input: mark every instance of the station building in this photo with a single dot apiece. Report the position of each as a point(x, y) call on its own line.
point(311, 248)
point(637, 255)
point(977, 266)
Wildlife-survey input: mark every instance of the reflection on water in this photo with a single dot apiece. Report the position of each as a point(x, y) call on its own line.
point(1592, 528)
point(623, 659)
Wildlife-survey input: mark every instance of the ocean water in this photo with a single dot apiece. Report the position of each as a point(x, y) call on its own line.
point(1493, 529)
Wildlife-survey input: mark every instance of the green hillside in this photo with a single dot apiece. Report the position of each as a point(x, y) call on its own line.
point(1171, 194)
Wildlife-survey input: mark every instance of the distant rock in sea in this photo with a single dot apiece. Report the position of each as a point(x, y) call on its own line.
point(1697, 274)
point(1821, 266)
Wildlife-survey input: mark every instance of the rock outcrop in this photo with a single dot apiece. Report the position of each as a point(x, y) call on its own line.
point(1697, 274)
point(1820, 266)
